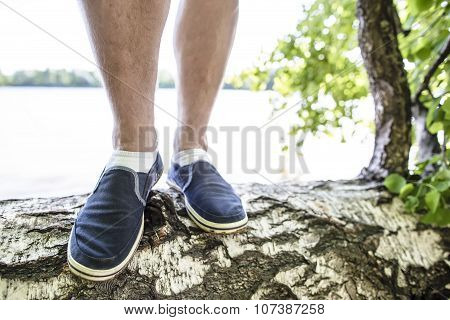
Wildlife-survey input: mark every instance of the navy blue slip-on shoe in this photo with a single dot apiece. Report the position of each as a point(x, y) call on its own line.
point(109, 227)
point(210, 201)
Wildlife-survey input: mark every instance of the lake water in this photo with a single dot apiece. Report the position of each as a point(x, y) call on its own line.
point(55, 141)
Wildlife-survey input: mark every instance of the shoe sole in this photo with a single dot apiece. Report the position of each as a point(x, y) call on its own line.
point(103, 275)
point(206, 225)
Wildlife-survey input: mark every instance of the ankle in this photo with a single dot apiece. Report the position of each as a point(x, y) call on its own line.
point(139, 142)
point(188, 140)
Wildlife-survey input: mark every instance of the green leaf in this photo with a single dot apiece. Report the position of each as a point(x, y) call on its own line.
point(406, 190)
point(432, 200)
point(435, 116)
point(446, 105)
point(394, 183)
point(430, 115)
point(442, 174)
point(435, 127)
point(411, 203)
point(423, 53)
point(417, 6)
point(441, 186)
point(446, 125)
point(441, 217)
point(447, 115)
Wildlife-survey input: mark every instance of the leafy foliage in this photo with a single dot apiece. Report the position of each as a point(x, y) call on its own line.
point(429, 195)
point(427, 32)
point(319, 64)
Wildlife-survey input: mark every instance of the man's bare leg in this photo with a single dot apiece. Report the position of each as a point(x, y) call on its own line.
point(126, 37)
point(203, 39)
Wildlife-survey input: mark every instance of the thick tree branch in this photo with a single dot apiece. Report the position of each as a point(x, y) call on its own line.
point(335, 240)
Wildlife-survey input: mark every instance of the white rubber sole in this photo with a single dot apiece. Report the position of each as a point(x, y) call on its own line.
point(206, 225)
point(103, 275)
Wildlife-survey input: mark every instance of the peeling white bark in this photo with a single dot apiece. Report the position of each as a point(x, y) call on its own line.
point(408, 246)
point(325, 240)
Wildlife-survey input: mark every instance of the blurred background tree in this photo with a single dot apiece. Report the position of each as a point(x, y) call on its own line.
point(404, 46)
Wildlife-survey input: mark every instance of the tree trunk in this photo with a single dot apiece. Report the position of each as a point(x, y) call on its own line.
point(389, 87)
point(336, 240)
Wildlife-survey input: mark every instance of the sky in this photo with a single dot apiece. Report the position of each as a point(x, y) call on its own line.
point(50, 34)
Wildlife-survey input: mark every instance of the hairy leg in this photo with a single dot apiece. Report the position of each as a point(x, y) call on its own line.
point(203, 39)
point(126, 37)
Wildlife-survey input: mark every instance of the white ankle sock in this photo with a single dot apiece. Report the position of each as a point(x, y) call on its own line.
point(137, 161)
point(185, 157)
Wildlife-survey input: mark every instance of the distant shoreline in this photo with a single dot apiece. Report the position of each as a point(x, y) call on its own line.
point(45, 86)
point(225, 87)
point(63, 78)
